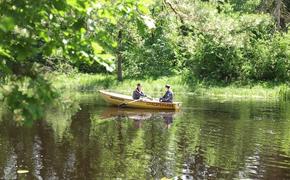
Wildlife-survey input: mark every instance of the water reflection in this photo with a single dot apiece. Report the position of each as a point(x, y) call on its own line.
point(139, 115)
point(207, 140)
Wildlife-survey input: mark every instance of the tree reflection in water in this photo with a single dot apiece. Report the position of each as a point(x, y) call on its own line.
point(87, 141)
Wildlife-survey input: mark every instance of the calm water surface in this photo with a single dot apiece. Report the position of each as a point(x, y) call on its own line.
point(207, 139)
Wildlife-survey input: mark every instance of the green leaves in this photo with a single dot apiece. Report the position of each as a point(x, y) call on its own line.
point(6, 24)
point(218, 43)
point(82, 33)
point(103, 58)
point(97, 48)
point(5, 53)
point(28, 98)
point(143, 9)
point(79, 5)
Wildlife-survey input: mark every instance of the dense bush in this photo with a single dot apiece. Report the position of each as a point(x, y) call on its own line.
point(153, 57)
point(268, 60)
point(150, 53)
point(227, 46)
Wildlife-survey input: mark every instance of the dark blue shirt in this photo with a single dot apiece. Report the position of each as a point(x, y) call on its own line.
point(168, 97)
point(138, 94)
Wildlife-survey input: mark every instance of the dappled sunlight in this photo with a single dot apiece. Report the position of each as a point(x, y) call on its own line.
point(130, 89)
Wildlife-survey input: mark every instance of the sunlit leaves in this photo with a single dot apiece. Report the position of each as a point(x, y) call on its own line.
point(143, 9)
point(108, 15)
point(97, 48)
point(5, 53)
point(77, 31)
point(149, 22)
point(106, 19)
point(103, 58)
point(80, 5)
point(217, 43)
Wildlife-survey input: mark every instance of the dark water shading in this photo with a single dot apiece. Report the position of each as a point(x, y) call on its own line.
point(208, 139)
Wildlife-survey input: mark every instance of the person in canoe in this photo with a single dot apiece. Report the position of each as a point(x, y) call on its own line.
point(168, 96)
point(137, 93)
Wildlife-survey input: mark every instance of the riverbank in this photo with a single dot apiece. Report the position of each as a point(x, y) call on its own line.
point(74, 88)
point(155, 87)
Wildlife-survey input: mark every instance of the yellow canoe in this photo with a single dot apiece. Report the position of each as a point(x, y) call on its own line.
point(127, 101)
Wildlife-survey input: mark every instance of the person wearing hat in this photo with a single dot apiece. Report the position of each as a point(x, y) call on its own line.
point(137, 93)
point(168, 96)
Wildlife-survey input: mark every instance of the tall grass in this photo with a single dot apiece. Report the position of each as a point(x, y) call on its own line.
point(284, 92)
point(155, 87)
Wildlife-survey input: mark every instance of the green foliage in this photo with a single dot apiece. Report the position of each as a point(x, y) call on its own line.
point(226, 46)
point(268, 60)
point(80, 33)
point(245, 6)
point(284, 92)
point(220, 41)
point(153, 57)
point(69, 84)
point(28, 98)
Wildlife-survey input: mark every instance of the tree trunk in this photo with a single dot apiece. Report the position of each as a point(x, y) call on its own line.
point(277, 13)
point(119, 57)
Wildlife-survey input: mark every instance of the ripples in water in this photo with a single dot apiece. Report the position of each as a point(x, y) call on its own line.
point(206, 140)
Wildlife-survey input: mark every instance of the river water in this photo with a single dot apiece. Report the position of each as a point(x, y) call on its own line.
point(207, 139)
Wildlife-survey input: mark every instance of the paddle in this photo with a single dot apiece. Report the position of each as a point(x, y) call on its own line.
point(125, 104)
point(151, 98)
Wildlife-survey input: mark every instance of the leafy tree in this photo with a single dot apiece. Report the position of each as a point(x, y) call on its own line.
point(280, 9)
point(152, 53)
point(114, 23)
point(75, 30)
point(216, 43)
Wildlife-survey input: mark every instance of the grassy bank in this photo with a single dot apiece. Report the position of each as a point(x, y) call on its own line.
point(155, 87)
point(74, 88)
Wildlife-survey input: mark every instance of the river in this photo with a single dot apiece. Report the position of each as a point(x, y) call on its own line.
point(206, 139)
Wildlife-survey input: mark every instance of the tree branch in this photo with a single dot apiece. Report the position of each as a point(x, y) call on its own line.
point(174, 10)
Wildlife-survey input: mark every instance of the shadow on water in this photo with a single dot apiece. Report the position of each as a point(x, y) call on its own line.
point(208, 139)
